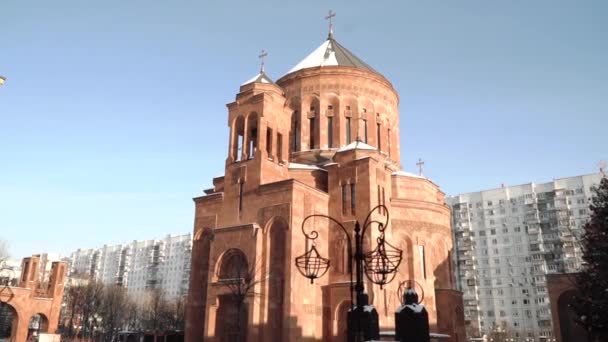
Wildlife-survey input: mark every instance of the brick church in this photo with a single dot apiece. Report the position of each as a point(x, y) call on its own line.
point(322, 139)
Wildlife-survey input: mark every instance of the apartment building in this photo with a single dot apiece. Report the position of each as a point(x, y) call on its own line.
point(506, 241)
point(140, 265)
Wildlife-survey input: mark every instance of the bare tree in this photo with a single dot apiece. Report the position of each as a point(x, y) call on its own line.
point(177, 314)
point(92, 302)
point(113, 311)
point(156, 311)
point(4, 256)
point(74, 300)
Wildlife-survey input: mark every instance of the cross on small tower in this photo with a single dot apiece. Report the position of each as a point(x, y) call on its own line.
point(331, 23)
point(419, 164)
point(261, 57)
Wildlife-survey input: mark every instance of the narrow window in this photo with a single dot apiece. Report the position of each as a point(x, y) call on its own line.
point(347, 130)
point(389, 142)
point(330, 132)
point(379, 135)
point(379, 197)
point(269, 142)
point(365, 131)
point(239, 151)
point(344, 202)
point(253, 138)
point(312, 133)
point(280, 147)
point(383, 200)
point(241, 187)
point(296, 133)
point(353, 198)
point(422, 261)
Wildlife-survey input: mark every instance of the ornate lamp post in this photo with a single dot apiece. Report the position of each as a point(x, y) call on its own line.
point(379, 265)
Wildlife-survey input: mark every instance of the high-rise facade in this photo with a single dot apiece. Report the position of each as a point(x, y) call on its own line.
point(506, 241)
point(139, 265)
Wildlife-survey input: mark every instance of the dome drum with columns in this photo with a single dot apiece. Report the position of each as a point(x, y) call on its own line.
point(322, 139)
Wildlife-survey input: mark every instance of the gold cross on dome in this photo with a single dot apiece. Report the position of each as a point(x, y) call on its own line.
point(420, 163)
point(261, 57)
point(331, 23)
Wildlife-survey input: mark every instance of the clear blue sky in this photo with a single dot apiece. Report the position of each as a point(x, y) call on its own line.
point(113, 115)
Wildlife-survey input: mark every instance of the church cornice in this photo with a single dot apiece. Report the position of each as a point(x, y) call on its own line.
point(423, 205)
point(333, 72)
point(216, 196)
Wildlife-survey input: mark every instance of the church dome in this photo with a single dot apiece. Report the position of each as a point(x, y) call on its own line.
point(331, 53)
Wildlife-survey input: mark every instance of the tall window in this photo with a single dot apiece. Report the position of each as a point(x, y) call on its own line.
point(241, 188)
point(348, 130)
point(296, 133)
point(253, 139)
point(379, 135)
point(353, 198)
point(312, 133)
point(280, 147)
point(389, 142)
point(383, 200)
point(422, 261)
point(239, 150)
point(269, 142)
point(330, 132)
point(344, 200)
point(365, 131)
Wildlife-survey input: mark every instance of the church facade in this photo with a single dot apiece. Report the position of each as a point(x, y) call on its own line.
point(323, 139)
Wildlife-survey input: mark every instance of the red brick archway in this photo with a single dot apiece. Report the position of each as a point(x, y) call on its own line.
point(31, 298)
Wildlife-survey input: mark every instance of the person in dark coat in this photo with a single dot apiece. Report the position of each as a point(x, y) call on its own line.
point(412, 320)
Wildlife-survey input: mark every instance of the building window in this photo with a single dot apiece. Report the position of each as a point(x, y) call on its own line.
point(312, 133)
point(384, 200)
point(269, 142)
point(353, 198)
point(344, 200)
point(330, 132)
point(379, 135)
point(241, 188)
point(296, 133)
point(280, 147)
point(389, 142)
point(422, 261)
point(365, 131)
point(347, 130)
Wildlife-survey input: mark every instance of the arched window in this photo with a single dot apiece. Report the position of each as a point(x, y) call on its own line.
point(234, 266)
point(238, 136)
point(252, 135)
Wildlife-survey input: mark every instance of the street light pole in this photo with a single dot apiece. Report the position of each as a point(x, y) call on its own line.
point(379, 265)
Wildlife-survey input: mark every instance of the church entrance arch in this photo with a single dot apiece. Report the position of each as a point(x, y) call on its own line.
point(341, 326)
point(234, 276)
point(8, 322)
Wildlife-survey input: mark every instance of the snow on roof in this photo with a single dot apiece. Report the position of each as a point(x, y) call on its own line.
point(261, 77)
point(417, 308)
point(331, 53)
point(297, 166)
point(356, 145)
point(407, 174)
point(368, 308)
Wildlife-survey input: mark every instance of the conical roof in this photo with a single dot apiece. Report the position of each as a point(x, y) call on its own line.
point(261, 77)
point(331, 53)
